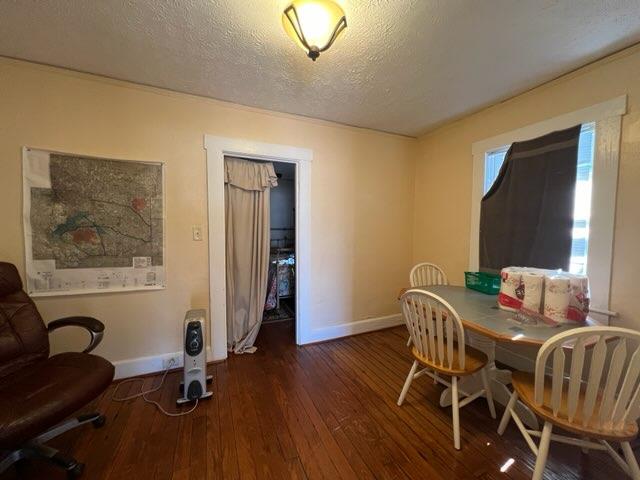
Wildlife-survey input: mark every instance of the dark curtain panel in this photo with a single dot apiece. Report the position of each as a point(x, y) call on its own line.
point(526, 218)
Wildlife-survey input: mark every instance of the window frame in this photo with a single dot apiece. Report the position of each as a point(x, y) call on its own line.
point(607, 117)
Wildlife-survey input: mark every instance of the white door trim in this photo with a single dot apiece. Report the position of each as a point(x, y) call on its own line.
point(217, 148)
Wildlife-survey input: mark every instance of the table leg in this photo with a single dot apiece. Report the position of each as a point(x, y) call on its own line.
point(498, 380)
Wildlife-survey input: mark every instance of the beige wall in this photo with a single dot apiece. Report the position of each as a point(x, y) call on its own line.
point(368, 221)
point(362, 197)
point(444, 168)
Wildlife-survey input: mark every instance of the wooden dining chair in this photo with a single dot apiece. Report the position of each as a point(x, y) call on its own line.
point(437, 336)
point(593, 402)
point(426, 274)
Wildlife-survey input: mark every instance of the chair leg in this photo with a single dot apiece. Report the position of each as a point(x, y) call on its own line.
point(543, 451)
point(409, 341)
point(507, 413)
point(70, 464)
point(13, 457)
point(34, 450)
point(631, 460)
point(96, 419)
point(407, 382)
point(456, 412)
point(488, 392)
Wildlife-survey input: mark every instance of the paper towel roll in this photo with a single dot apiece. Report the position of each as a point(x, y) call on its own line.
point(509, 285)
point(533, 284)
point(579, 301)
point(557, 295)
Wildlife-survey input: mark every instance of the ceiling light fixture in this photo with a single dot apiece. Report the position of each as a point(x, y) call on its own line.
point(314, 24)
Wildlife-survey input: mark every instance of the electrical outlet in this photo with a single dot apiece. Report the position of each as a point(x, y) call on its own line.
point(171, 362)
point(197, 233)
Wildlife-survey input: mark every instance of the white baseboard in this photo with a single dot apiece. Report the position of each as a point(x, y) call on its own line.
point(353, 328)
point(152, 364)
point(155, 363)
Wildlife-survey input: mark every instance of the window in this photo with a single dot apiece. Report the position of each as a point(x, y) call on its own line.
point(492, 164)
point(593, 228)
point(584, 182)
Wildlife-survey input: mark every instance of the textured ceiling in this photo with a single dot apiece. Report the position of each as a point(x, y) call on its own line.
point(402, 66)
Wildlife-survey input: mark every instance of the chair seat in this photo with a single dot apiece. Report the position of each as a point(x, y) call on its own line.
point(474, 361)
point(34, 399)
point(523, 383)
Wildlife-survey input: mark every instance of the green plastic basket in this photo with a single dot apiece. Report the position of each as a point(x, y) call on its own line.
point(488, 283)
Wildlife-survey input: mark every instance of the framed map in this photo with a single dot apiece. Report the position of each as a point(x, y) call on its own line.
point(92, 224)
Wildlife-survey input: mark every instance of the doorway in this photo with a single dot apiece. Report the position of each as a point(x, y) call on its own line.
point(216, 149)
point(280, 304)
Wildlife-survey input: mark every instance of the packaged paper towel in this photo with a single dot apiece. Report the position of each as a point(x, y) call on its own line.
point(533, 289)
point(560, 297)
point(511, 279)
point(557, 295)
point(579, 302)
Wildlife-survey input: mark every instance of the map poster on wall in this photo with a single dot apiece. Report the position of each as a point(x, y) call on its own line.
point(91, 224)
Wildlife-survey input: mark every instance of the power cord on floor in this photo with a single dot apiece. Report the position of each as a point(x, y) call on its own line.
point(144, 394)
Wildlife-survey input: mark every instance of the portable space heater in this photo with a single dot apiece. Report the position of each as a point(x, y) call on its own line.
point(195, 379)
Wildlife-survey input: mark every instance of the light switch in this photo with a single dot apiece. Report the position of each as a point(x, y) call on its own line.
point(197, 233)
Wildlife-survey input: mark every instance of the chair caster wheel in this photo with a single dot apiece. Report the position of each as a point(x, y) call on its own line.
point(75, 472)
point(99, 422)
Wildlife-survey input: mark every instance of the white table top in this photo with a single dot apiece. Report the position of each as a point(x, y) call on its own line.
point(480, 313)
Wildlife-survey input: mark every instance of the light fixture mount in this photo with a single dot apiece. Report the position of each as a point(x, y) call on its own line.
point(313, 53)
point(314, 24)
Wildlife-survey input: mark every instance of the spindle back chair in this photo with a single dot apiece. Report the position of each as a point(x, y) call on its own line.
point(595, 401)
point(426, 274)
point(437, 335)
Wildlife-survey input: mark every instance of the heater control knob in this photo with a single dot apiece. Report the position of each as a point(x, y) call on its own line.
point(193, 339)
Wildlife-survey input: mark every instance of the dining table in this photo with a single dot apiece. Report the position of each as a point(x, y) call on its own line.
point(485, 325)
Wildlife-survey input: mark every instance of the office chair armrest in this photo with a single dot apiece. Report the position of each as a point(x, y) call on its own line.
point(94, 326)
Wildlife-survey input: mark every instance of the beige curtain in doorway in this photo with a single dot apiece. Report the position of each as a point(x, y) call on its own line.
point(247, 202)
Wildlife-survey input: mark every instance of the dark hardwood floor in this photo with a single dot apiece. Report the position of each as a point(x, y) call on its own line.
point(321, 411)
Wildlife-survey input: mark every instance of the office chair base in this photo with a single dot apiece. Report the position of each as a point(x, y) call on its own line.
point(36, 449)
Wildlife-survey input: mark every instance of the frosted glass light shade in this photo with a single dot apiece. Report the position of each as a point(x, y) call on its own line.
point(314, 24)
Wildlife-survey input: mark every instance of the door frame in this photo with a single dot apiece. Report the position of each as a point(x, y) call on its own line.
point(217, 148)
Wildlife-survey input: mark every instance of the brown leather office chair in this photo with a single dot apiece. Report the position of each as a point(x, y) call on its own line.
point(39, 392)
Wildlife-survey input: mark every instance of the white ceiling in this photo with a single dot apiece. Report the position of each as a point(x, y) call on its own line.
point(402, 66)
